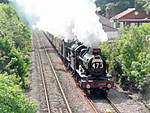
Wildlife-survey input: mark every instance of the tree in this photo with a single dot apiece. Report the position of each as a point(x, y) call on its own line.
point(110, 8)
point(14, 28)
point(147, 6)
point(15, 43)
point(4, 1)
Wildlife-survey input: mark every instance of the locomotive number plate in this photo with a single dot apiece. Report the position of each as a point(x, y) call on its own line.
point(97, 63)
point(96, 60)
point(102, 84)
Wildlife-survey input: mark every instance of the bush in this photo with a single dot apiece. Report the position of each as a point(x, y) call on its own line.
point(129, 56)
point(11, 97)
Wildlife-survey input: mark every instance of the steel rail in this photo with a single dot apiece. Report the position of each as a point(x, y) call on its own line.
point(92, 105)
point(112, 105)
point(89, 101)
point(42, 77)
point(56, 77)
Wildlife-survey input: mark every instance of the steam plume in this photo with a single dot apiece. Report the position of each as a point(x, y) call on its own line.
point(71, 19)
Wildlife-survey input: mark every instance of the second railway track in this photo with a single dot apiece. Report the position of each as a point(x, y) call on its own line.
point(55, 98)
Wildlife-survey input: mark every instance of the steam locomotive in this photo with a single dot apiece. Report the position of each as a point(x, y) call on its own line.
point(88, 67)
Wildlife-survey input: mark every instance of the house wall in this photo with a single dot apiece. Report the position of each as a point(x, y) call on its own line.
point(120, 20)
point(118, 25)
point(112, 35)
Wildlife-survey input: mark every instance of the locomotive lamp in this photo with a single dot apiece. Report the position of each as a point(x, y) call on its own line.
point(109, 86)
point(88, 86)
point(109, 76)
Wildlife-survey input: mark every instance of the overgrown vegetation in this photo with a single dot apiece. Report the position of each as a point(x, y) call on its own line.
point(11, 99)
point(15, 44)
point(15, 47)
point(129, 58)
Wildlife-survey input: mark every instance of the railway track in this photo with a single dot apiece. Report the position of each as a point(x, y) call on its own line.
point(104, 106)
point(56, 101)
point(96, 109)
point(113, 106)
point(96, 105)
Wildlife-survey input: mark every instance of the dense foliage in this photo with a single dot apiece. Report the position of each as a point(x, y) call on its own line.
point(129, 57)
point(4, 1)
point(11, 99)
point(110, 8)
point(15, 46)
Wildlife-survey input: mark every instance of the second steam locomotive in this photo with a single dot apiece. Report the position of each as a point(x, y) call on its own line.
point(88, 67)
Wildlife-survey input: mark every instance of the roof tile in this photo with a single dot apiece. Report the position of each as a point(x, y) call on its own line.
point(118, 16)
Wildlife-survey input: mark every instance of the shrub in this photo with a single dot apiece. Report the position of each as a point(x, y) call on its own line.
point(11, 97)
point(129, 56)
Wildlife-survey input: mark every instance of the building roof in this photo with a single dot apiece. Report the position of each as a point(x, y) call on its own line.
point(105, 20)
point(109, 28)
point(120, 15)
point(107, 25)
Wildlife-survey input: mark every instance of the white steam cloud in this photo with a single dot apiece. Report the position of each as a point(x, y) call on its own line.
point(71, 19)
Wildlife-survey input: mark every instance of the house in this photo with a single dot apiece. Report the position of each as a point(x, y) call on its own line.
point(108, 27)
point(130, 17)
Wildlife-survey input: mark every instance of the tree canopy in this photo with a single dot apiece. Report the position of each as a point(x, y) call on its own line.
point(110, 8)
point(4, 1)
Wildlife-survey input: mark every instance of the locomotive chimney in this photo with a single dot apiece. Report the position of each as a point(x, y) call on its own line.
point(96, 51)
